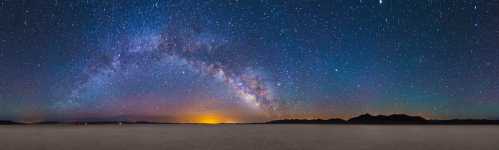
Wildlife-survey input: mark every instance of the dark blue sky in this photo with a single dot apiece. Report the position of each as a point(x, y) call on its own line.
point(247, 60)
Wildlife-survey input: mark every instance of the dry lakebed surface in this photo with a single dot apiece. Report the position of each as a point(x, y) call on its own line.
point(248, 137)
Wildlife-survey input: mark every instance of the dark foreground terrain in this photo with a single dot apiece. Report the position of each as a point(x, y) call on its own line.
point(248, 137)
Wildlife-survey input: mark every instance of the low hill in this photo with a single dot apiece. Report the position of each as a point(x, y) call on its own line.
point(391, 119)
point(5, 122)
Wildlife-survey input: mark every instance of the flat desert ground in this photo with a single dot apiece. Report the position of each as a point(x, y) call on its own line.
point(248, 137)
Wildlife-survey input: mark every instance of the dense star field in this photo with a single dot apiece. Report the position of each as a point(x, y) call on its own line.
point(247, 60)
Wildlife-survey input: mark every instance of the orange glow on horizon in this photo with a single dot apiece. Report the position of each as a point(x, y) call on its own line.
point(211, 119)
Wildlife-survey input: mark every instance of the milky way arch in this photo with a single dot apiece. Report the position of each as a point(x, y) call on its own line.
point(195, 50)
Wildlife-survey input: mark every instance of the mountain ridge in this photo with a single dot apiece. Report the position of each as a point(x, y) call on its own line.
point(392, 119)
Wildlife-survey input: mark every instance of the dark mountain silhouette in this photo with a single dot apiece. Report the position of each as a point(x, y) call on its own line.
point(124, 119)
point(391, 119)
point(5, 122)
point(466, 122)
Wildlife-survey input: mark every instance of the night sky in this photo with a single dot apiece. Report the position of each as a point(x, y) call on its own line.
point(247, 60)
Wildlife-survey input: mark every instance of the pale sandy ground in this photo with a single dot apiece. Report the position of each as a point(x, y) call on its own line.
point(248, 137)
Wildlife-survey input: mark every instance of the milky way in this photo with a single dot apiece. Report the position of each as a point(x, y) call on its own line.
point(188, 49)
